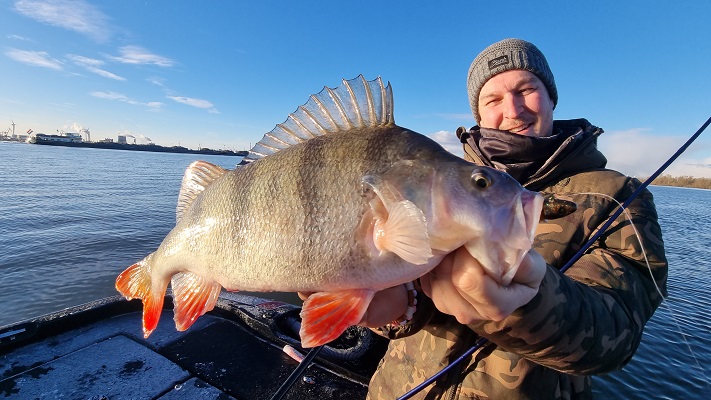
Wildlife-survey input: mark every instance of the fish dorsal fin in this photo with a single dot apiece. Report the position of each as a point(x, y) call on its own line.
point(198, 176)
point(355, 104)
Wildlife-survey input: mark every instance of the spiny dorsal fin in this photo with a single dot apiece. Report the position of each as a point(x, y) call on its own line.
point(357, 103)
point(198, 176)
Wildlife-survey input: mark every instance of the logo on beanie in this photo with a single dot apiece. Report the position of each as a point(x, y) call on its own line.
point(498, 61)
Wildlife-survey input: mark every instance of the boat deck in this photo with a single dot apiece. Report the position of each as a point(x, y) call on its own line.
point(98, 351)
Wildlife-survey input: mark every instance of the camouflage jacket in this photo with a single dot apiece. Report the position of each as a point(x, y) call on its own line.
point(586, 321)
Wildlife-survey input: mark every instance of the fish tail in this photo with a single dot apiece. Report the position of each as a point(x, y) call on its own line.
point(135, 282)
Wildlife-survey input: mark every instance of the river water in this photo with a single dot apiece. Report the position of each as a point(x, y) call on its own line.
point(71, 219)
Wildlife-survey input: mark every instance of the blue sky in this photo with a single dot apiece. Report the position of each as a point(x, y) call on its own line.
point(220, 74)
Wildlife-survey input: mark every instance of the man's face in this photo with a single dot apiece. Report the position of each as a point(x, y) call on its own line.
point(516, 101)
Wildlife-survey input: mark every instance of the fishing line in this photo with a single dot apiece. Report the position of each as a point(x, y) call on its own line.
point(483, 341)
point(666, 304)
point(637, 235)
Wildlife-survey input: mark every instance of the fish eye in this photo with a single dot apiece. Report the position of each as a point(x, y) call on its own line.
point(481, 180)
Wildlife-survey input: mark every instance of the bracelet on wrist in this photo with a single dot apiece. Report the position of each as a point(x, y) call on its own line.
point(411, 307)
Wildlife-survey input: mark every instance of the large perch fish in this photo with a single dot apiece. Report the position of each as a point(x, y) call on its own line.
point(336, 200)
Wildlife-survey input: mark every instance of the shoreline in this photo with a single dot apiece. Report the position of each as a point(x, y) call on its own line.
point(142, 147)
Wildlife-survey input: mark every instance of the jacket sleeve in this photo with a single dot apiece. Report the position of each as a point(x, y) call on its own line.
point(590, 319)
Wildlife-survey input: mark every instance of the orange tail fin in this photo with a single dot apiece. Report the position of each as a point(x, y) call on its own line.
point(135, 282)
point(326, 315)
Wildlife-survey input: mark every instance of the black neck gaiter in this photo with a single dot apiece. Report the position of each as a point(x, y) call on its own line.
point(519, 156)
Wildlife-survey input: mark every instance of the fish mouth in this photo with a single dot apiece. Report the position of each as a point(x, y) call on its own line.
point(514, 229)
point(532, 205)
point(527, 214)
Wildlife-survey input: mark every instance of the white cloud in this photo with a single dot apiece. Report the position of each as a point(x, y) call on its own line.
point(189, 101)
point(114, 96)
point(636, 152)
point(85, 61)
point(92, 64)
point(75, 127)
point(449, 141)
point(35, 58)
point(76, 15)
point(18, 37)
point(125, 99)
point(139, 56)
point(157, 81)
point(699, 168)
point(198, 103)
point(105, 74)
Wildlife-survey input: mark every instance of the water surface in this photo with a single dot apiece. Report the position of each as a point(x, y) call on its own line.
point(71, 219)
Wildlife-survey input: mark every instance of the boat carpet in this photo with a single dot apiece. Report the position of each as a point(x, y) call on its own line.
point(217, 358)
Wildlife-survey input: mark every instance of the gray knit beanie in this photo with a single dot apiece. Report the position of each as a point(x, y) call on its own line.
point(504, 56)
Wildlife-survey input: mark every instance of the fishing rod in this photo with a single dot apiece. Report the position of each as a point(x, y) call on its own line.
point(296, 373)
point(483, 341)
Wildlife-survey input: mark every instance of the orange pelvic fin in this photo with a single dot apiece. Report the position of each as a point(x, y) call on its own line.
point(193, 296)
point(325, 315)
point(135, 283)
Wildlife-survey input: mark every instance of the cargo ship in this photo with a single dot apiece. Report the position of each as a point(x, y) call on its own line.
point(71, 139)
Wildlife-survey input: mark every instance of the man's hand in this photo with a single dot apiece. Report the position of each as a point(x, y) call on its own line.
point(387, 306)
point(459, 286)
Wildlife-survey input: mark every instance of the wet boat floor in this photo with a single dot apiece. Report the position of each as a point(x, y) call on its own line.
point(215, 359)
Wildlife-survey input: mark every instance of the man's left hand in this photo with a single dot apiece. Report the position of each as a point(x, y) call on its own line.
point(459, 286)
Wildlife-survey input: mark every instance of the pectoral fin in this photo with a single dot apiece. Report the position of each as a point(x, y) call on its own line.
point(404, 233)
point(400, 226)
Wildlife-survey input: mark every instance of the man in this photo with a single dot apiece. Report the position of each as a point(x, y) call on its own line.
point(548, 331)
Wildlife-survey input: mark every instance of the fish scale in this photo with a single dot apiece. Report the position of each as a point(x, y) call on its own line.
point(337, 200)
point(290, 226)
